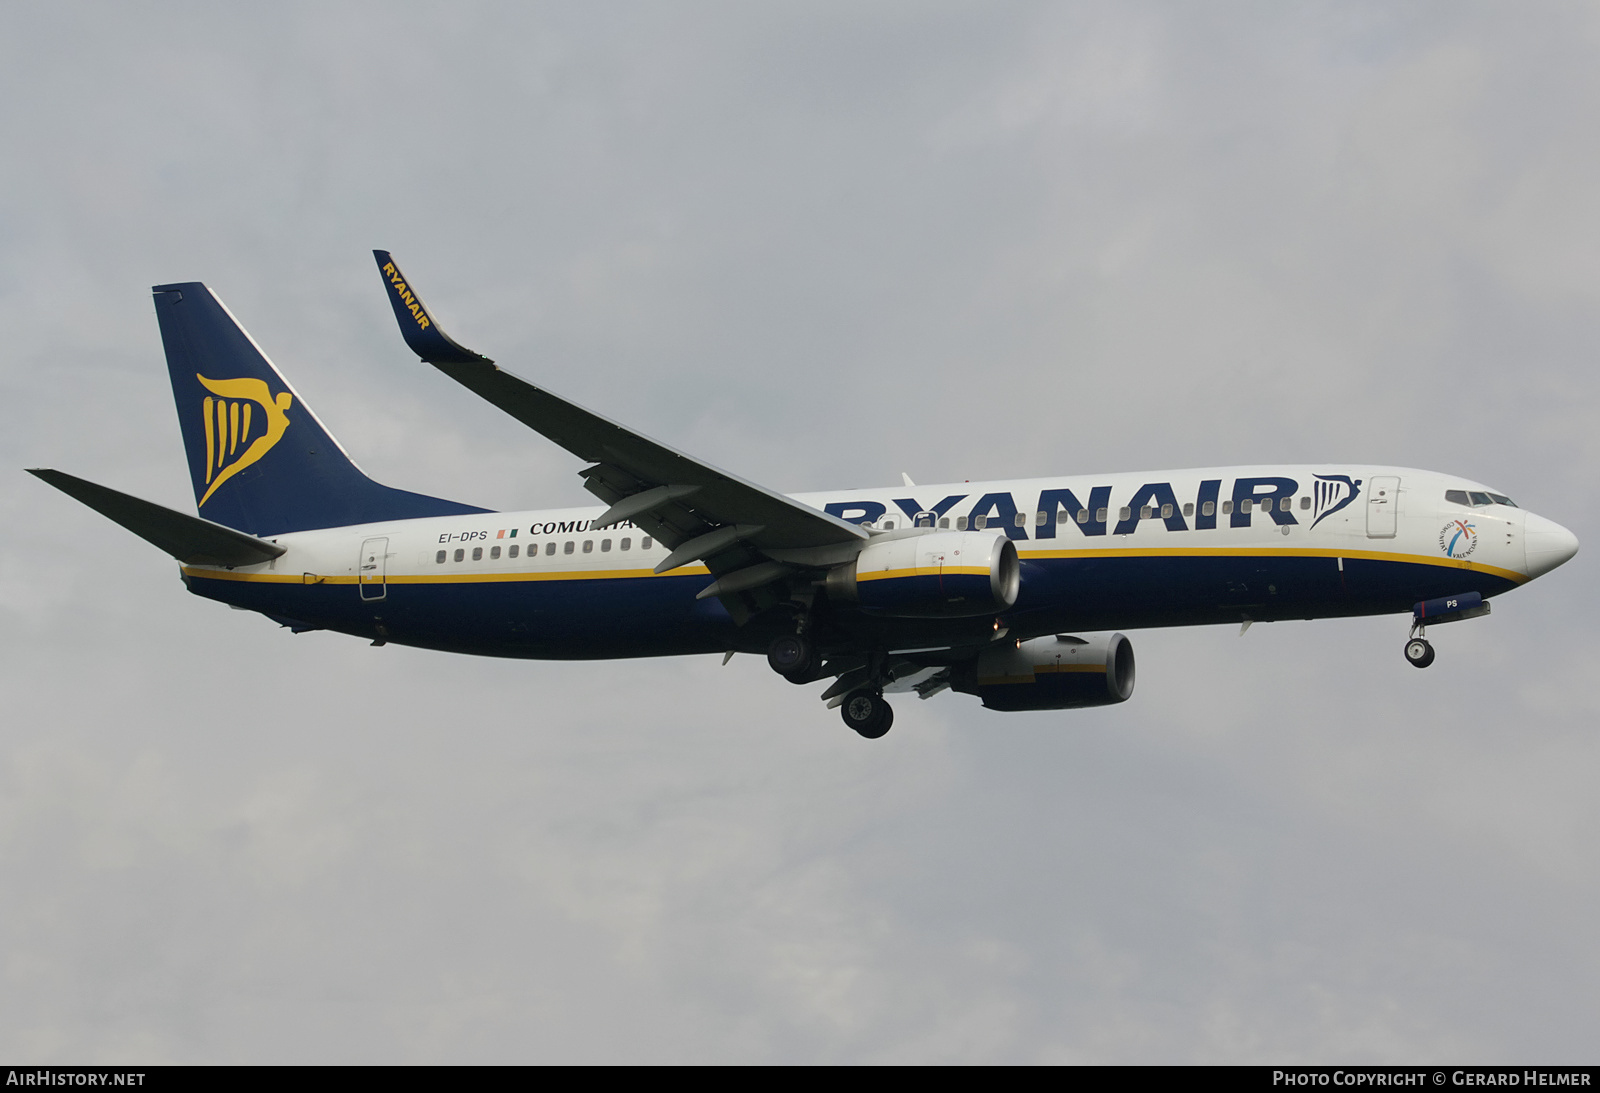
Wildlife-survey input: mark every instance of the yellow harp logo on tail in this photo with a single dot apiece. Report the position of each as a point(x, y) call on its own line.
point(230, 421)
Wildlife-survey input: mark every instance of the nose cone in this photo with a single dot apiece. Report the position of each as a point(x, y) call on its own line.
point(1547, 543)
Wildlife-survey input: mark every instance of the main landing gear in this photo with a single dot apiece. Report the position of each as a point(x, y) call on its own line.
point(868, 714)
point(793, 657)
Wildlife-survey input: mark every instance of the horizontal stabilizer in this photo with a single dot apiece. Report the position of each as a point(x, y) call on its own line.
point(187, 538)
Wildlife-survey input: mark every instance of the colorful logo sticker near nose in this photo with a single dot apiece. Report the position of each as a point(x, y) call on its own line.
point(231, 421)
point(1458, 538)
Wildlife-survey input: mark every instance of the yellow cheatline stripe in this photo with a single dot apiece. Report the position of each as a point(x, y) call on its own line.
point(1277, 552)
point(927, 571)
point(443, 578)
point(700, 570)
point(1042, 669)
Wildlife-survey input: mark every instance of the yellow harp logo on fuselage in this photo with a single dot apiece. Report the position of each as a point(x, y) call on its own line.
point(230, 421)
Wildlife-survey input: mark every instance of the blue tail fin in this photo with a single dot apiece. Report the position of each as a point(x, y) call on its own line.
point(260, 459)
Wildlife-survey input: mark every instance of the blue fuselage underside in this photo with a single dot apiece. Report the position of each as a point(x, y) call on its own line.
point(583, 619)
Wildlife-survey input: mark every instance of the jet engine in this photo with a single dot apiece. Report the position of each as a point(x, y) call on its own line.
point(1055, 673)
point(949, 574)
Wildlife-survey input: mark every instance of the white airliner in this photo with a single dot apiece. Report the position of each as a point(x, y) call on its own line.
point(976, 587)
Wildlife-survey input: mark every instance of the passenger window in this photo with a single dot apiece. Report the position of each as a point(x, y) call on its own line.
point(1100, 516)
point(477, 554)
point(625, 544)
point(980, 522)
point(1145, 512)
point(644, 544)
point(1021, 520)
point(1305, 502)
point(511, 551)
point(1064, 516)
point(1041, 518)
point(1208, 509)
point(1166, 511)
point(944, 521)
point(961, 523)
point(460, 554)
point(1227, 507)
point(605, 545)
point(1083, 516)
point(1188, 508)
point(494, 552)
point(549, 548)
point(1124, 513)
point(439, 557)
point(1247, 504)
point(567, 547)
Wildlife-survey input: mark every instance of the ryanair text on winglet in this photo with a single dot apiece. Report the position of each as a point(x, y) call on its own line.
point(411, 302)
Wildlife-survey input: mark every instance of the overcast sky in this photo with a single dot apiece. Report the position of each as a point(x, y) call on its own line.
point(818, 245)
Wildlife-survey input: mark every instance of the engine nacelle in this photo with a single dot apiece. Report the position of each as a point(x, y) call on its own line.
point(1058, 673)
point(948, 574)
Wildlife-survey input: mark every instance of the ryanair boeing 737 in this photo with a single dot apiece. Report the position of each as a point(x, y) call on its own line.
point(972, 587)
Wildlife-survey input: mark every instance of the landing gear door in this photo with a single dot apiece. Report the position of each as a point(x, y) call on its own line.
point(1383, 499)
point(369, 573)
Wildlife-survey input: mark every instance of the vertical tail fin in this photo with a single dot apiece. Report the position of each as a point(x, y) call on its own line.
point(260, 460)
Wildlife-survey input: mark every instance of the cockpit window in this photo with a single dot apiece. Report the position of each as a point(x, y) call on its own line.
point(1477, 498)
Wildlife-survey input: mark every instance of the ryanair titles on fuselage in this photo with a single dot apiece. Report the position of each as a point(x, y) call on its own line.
point(1095, 513)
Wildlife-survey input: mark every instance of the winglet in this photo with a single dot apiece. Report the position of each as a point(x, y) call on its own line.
point(421, 333)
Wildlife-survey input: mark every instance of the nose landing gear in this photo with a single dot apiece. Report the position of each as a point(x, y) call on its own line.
point(1419, 651)
point(1463, 605)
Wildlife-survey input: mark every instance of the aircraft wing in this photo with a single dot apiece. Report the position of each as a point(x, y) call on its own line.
point(700, 511)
